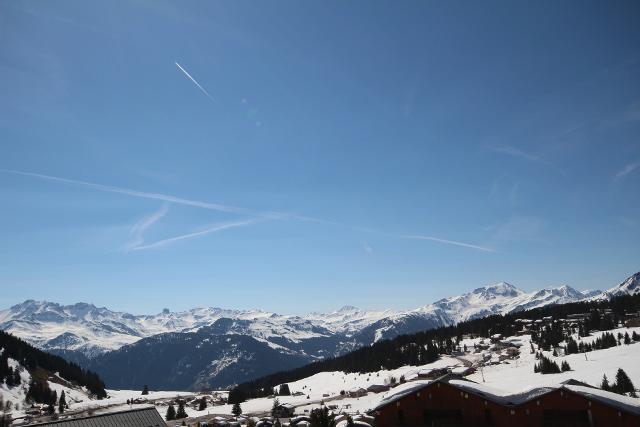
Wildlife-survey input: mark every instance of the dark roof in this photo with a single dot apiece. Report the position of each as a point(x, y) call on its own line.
point(144, 417)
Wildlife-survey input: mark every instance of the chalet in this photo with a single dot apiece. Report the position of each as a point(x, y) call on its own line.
point(632, 322)
point(496, 337)
point(357, 392)
point(378, 388)
point(141, 417)
point(451, 401)
point(283, 410)
point(578, 317)
point(432, 373)
point(462, 371)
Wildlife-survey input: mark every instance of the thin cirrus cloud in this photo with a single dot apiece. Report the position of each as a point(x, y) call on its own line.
point(186, 73)
point(137, 231)
point(516, 152)
point(626, 170)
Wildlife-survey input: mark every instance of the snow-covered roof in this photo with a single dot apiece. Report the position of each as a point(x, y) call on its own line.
point(503, 397)
point(401, 391)
point(624, 403)
point(460, 370)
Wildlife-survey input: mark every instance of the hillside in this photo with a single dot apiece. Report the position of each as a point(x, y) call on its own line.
point(31, 376)
point(427, 346)
point(115, 343)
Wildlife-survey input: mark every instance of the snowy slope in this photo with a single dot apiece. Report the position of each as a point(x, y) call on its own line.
point(508, 378)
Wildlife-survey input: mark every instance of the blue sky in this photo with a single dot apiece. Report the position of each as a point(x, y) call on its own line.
point(299, 156)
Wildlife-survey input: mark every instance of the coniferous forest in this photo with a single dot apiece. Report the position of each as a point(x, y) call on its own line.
point(425, 347)
point(32, 359)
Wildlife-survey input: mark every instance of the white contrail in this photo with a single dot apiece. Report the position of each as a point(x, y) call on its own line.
point(448, 242)
point(213, 229)
point(138, 229)
point(225, 208)
point(154, 196)
point(194, 81)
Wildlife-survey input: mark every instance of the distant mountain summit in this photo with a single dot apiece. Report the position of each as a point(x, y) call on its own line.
point(631, 286)
point(112, 342)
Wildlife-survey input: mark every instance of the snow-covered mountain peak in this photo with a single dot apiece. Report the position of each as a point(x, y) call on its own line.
point(501, 289)
point(348, 308)
point(93, 330)
point(563, 291)
point(631, 286)
point(589, 293)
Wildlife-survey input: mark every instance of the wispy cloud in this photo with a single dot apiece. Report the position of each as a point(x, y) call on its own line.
point(154, 196)
point(626, 170)
point(209, 230)
point(186, 73)
point(139, 228)
point(518, 228)
point(367, 248)
point(516, 152)
point(448, 242)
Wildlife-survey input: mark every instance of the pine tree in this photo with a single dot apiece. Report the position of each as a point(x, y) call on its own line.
point(623, 384)
point(564, 366)
point(284, 390)
point(145, 390)
point(321, 418)
point(181, 413)
point(627, 338)
point(236, 409)
point(202, 405)
point(62, 402)
point(546, 366)
point(171, 413)
point(274, 407)
point(605, 383)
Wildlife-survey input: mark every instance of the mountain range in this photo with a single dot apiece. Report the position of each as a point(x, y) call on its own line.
point(213, 347)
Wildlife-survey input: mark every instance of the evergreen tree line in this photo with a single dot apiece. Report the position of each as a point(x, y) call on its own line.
point(31, 359)
point(425, 347)
point(622, 384)
point(172, 414)
point(548, 366)
point(39, 392)
point(8, 375)
point(607, 340)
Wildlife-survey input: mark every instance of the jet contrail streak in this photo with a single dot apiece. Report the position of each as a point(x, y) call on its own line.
point(448, 242)
point(194, 81)
point(147, 195)
point(213, 229)
point(270, 215)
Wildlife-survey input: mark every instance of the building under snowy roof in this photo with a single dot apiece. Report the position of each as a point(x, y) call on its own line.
point(460, 402)
point(142, 417)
